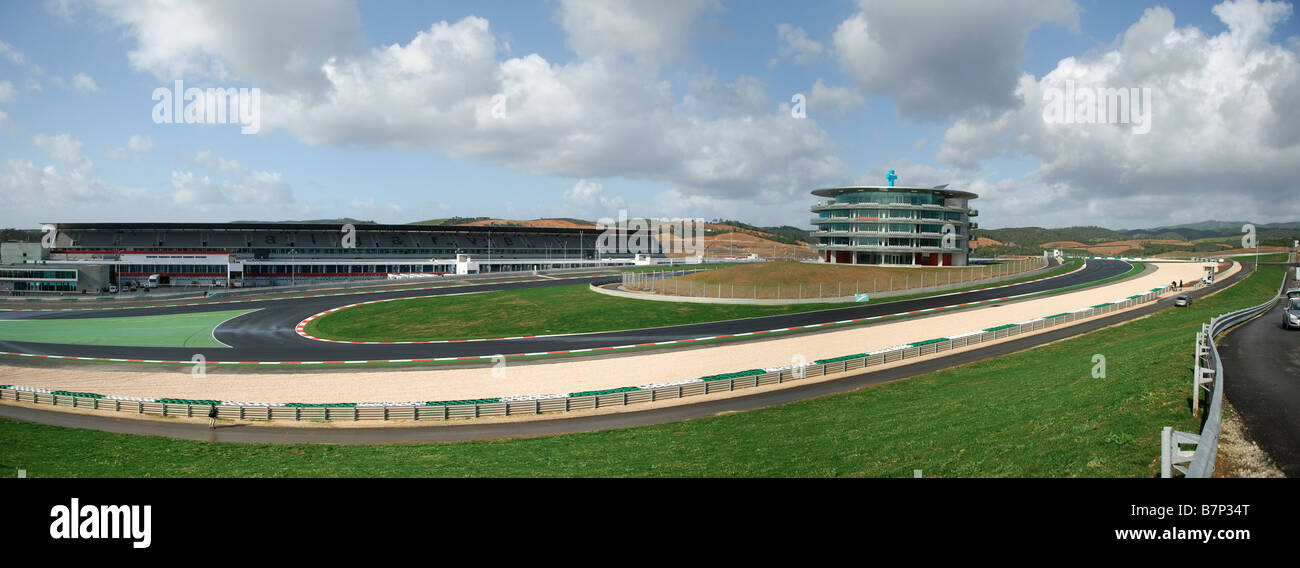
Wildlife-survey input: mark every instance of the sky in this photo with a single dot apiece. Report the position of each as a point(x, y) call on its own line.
point(397, 111)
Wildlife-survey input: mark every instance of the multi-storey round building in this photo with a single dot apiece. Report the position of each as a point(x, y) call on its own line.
point(893, 225)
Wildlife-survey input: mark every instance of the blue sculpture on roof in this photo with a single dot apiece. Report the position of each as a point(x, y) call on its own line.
point(891, 177)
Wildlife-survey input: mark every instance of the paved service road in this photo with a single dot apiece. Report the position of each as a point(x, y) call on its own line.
point(268, 333)
point(1261, 363)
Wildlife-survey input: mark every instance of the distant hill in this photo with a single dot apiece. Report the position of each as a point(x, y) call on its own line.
point(784, 234)
point(20, 235)
point(1035, 236)
point(341, 221)
point(1205, 236)
point(449, 221)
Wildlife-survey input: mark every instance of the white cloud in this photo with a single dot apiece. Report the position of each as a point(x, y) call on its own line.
point(29, 184)
point(82, 83)
point(650, 31)
point(61, 9)
point(63, 148)
point(209, 161)
point(280, 45)
point(259, 187)
point(139, 144)
point(135, 146)
point(795, 45)
point(13, 55)
point(7, 91)
point(1222, 140)
point(836, 101)
point(234, 185)
point(939, 58)
point(588, 119)
point(744, 96)
point(588, 198)
point(601, 116)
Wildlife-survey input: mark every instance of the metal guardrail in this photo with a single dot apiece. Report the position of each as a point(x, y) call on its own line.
point(407, 411)
point(1208, 368)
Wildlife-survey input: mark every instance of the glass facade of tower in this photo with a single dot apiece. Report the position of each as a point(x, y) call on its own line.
point(893, 226)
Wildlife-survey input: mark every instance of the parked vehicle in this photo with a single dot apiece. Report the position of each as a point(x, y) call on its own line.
point(1291, 314)
point(112, 289)
point(1182, 301)
point(153, 281)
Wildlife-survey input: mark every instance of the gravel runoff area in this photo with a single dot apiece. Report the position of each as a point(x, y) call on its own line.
point(570, 374)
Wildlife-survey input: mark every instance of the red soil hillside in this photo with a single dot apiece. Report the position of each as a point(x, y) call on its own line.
point(744, 244)
point(987, 242)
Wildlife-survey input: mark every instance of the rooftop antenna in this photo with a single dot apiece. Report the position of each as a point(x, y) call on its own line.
point(891, 177)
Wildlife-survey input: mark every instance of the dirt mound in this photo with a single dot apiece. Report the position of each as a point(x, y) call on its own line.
point(987, 242)
point(536, 223)
point(738, 244)
point(1063, 244)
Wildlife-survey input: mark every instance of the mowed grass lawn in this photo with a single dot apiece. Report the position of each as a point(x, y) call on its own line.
point(533, 311)
point(1038, 413)
point(538, 311)
point(181, 330)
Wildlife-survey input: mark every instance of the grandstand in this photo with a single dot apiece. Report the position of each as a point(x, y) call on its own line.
point(261, 254)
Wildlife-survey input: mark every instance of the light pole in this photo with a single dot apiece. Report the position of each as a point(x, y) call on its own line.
point(293, 268)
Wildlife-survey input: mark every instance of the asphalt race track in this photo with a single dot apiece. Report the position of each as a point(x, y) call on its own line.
point(245, 433)
point(1261, 363)
point(268, 335)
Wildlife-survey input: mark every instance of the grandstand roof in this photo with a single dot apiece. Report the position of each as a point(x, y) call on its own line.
point(334, 227)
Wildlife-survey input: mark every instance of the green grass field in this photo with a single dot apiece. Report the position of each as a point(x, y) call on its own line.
point(1038, 413)
point(541, 311)
point(184, 330)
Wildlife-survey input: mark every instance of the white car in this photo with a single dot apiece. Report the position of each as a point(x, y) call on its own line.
point(112, 289)
point(1291, 314)
point(1182, 301)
